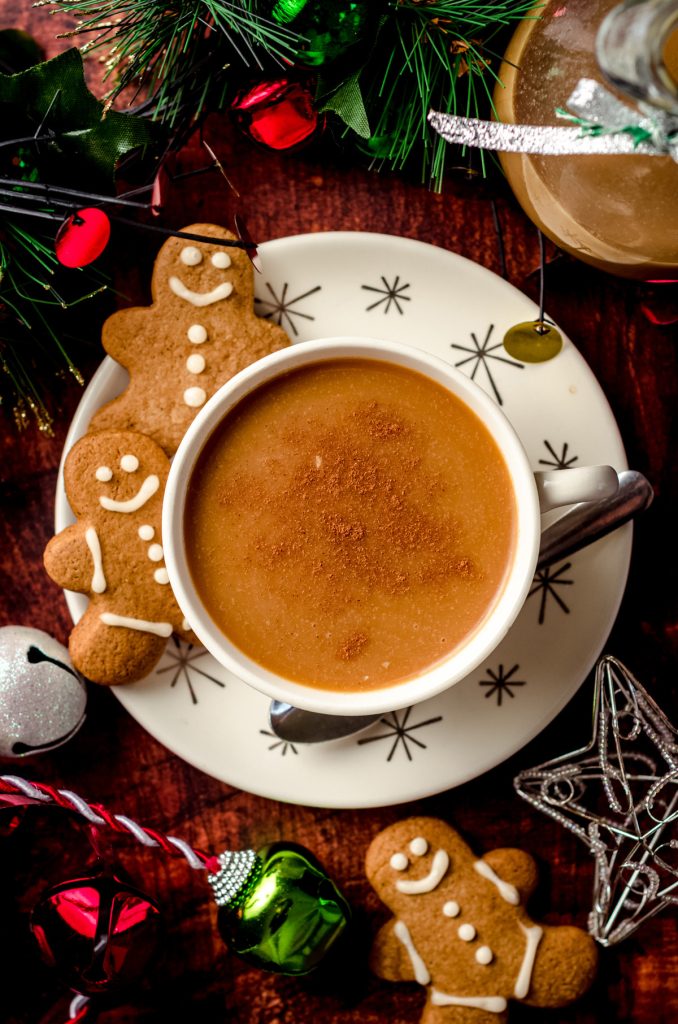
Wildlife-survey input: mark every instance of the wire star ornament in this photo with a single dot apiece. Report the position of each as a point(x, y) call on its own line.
point(619, 794)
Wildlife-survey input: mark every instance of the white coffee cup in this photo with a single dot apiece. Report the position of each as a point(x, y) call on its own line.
point(535, 493)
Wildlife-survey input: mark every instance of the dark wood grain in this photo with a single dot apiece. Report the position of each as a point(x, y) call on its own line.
point(114, 761)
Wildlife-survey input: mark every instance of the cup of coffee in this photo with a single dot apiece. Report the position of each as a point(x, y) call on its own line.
point(352, 526)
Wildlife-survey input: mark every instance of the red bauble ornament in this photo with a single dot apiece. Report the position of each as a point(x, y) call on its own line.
point(280, 114)
point(98, 931)
point(10, 819)
point(82, 237)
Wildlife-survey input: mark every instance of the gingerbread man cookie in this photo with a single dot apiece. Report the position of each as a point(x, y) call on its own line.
point(460, 927)
point(113, 553)
point(200, 330)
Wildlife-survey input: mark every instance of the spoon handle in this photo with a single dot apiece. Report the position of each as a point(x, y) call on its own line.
point(590, 520)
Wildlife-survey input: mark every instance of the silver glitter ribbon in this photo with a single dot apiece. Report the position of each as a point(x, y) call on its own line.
point(606, 125)
point(619, 795)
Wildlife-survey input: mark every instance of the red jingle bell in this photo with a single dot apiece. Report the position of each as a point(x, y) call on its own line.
point(280, 114)
point(97, 931)
point(82, 237)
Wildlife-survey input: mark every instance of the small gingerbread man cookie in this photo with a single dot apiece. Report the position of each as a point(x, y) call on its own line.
point(460, 927)
point(113, 553)
point(200, 330)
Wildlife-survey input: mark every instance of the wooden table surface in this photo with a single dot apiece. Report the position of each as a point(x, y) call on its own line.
point(115, 762)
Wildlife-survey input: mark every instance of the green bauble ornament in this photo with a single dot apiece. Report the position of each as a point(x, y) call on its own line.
point(330, 28)
point(278, 909)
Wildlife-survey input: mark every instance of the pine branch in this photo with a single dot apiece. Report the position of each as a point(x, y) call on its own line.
point(431, 54)
point(178, 52)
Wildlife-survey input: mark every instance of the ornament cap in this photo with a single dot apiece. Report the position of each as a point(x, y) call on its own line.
point(238, 870)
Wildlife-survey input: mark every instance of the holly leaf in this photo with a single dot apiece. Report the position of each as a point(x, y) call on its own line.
point(49, 110)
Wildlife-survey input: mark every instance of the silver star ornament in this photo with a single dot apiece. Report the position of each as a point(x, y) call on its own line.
point(619, 794)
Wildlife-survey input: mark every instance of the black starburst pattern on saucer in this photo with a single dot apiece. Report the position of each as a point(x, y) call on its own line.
point(546, 583)
point(182, 663)
point(399, 731)
point(481, 354)
point(281, 309)
point(501, 683)
point(282, 745)
point(562, 461)
point(391, 295)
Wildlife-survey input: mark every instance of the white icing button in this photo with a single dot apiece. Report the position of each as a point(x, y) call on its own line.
point(129, 463)
point(161, 576)
point(155, 553)
point(451, 908)
point(104, 474)
point(195, 363)
point(194, 397)
point(221, 260)
point(146, 532)
point(185, 624)
point(466, 932)
point(190, 256)
point(484, 955)
point(398, 862)
point(196, 334)
point(418, 846)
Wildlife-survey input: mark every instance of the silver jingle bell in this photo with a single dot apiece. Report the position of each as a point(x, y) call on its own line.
point(42, 698)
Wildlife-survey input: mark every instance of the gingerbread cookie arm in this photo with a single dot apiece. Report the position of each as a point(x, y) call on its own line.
point(68, 561)
point(117, 329)
point(121, 413)
point(390, 957)
point(564, 967)
point(513, 872)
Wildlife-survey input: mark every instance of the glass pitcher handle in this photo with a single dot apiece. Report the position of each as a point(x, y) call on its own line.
point(630, 49)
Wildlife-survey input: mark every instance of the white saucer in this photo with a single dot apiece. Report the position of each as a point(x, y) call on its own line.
point(387, 287)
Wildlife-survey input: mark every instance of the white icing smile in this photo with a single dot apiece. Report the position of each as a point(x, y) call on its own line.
point(415, 886)
point(222, 291)
point(146, 491)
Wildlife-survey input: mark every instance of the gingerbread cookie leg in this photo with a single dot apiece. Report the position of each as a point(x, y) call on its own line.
point(449, 1013)
point(564, 968)
point(116, 650)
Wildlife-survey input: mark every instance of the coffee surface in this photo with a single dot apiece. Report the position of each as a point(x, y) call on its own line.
point(349, 524)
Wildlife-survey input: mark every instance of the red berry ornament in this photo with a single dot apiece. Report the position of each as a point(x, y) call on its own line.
point(97, 931)
point(279, 115)
point(82, 238)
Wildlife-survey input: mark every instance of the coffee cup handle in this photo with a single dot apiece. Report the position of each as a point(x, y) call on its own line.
point(567, 486)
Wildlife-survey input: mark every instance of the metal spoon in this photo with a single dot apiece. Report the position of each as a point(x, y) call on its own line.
point(576, 529)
